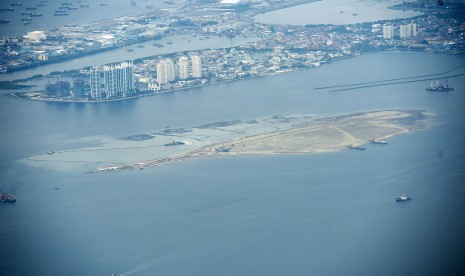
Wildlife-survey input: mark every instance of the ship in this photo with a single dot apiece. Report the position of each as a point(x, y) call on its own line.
point(439, 87)
point(60, 13)
point(403, 197)
point(376, 141)
point(356, 147)
point(174, 143)
point(7, 197)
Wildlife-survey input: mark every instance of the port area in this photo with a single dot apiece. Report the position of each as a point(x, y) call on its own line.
point(303, 135)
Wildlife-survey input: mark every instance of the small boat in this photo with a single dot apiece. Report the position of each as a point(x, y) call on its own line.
point(35, 14)
point(4, 21)
point(50, 152)
point(174, 143)
point(403, 197)
point(376, 141)
point(7, 197)
point(356, 147)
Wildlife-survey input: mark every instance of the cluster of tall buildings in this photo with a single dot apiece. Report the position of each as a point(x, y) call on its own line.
point(166, 69)
point(405, 31)
point(58, 89)
point(115, 80)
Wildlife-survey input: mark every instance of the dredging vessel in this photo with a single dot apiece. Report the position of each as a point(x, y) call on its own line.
point(439, 87)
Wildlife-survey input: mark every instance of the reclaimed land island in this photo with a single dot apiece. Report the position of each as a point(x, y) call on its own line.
point(298, 135)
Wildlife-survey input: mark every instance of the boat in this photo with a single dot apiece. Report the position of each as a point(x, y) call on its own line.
point(25, 13)
point(130, 50)
point(174, 143)
point(158, 45)
point(31, 8)
point(60, 13)
point(439, 87)
point(26, 19)
point(4, 21)
point(403, 197)
point(376, 141)
point(356, 147)
point(222, 149)
point(6, 9)
point(27, 22)
point(16, 4)
point(35, 14)
point(50, 152)
point(7, 197)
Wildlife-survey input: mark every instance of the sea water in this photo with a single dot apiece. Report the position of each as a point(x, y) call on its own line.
point(321, 214)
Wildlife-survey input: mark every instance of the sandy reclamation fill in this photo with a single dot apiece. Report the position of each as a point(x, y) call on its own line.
point(308, 136)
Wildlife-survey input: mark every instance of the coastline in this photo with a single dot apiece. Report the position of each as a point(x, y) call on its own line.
point(328, 134)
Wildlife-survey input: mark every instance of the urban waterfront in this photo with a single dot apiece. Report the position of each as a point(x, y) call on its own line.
point(289, 214)
point(242, 215)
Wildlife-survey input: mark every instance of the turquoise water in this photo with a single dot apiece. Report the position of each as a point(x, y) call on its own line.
point(323, 214)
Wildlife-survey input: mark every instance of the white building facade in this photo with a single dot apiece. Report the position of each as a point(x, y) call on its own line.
point(388, 32)
point(196, 67)
point(165, 71)
point(183, 68)
point(113, 80)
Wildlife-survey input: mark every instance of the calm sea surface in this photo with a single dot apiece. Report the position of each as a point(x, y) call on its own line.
point(337, 12)
point(324, 214)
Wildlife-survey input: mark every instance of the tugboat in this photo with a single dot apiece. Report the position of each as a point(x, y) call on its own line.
point(7, 197)
point(403, 197)
point(439, 87)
